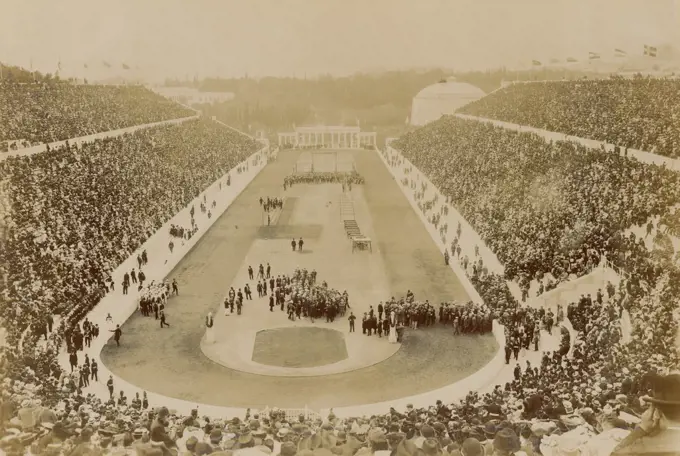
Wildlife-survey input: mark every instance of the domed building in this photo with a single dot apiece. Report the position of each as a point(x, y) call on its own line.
point(442, 98)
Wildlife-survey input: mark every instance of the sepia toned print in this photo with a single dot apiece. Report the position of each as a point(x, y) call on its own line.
point(341, 227)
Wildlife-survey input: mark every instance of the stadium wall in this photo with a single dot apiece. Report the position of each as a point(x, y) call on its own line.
point(90, 138)
point(644, 157)
point(161, 263)
point(469, 237)
point(481, 380)
point(485, 379)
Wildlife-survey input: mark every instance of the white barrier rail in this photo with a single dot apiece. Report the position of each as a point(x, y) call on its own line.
point(161, 263)
point(470, 239)
point(90, 138)
point(483, 378)
point(641, 155)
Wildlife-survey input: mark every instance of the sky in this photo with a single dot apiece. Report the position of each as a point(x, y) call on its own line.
point(179, 38)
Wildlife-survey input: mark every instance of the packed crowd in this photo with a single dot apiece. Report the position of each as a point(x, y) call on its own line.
point(514, 197)
point(345, 178)
point(49, 112)
point(542, 207)
point(305, 298)
point(638, 113)
point(76, 214)
point(589, 398)
point(297, 294)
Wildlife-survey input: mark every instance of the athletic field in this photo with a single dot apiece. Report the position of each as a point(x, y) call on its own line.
point(172, 361)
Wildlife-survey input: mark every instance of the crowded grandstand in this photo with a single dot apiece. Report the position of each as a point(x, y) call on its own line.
point(550, 211)
point(562, 258)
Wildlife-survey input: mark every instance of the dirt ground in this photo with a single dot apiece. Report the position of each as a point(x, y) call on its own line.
point(169, 361)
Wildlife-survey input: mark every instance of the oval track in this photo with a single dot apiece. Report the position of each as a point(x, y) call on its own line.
point(170, 361)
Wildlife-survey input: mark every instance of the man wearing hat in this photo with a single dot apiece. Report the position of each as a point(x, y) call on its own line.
point(377, 444)
point(159, 437)
point(191, 446)
point(506, 442)
point(216, 438)
point(659, 431)
point(490, 433)
point(288, 449)
point(245, 440)
point(472, 447)
point(431, 447)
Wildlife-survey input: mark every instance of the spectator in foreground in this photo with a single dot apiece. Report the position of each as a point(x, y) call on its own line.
point(659, 431)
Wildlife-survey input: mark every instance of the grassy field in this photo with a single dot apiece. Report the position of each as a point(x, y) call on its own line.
point(170, 361)
point(299, 347)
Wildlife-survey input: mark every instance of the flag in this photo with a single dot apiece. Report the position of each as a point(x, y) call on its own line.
point(85, 65)
point(620, 53)
point(571, 60)
point(106, 64)
point(125, 67)
point(536, 63)
point(650, 51)
point(59, 66)
point(593, 55)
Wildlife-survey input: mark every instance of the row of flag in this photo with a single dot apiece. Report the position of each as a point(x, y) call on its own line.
point(650, 51)
point(104, 63)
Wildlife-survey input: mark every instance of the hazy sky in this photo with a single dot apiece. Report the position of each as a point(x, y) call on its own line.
point(297, 37)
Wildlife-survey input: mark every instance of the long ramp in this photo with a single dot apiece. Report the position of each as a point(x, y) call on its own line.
point(346, 208)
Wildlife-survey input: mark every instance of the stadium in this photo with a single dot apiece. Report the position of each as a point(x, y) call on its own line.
point(499, 276)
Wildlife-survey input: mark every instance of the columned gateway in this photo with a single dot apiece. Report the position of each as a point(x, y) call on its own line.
point(337, 137)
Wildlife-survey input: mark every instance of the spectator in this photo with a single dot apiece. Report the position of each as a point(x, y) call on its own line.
point(637, 113)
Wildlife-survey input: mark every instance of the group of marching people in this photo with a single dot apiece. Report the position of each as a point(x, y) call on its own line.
point(299, 295)
point(344, 178)
point(307, 299)
point(464, 318)
point(154, 298)
point(270, 204)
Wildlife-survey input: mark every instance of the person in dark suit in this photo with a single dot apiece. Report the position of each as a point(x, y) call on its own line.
point(116, 334)
point(300, 244)
point(73, 360)
point(163, 323)
point(351, 319)
point(93, 371)
point(109, 385)
point(380, 311)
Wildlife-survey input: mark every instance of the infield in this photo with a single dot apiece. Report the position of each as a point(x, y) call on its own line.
point(299, 347)
point(170, 361)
